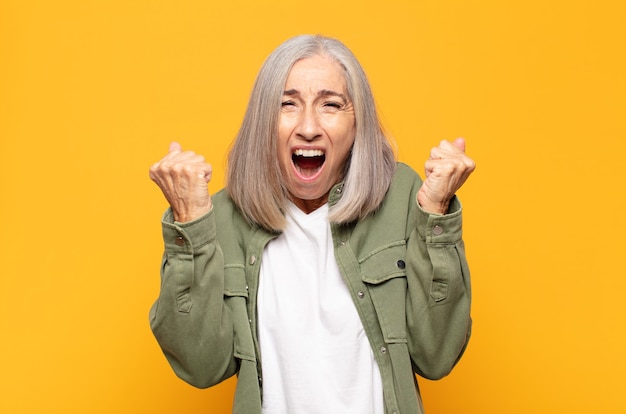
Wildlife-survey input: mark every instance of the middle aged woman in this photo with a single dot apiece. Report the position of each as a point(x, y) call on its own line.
point(325, 274)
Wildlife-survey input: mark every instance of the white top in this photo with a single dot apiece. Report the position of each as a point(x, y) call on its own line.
point(316, 357)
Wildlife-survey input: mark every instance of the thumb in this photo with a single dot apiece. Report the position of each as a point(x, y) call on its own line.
point(175, 148)
point(460, 143)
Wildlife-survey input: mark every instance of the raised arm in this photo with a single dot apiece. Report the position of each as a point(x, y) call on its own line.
point(439, 296)
point(190, 318)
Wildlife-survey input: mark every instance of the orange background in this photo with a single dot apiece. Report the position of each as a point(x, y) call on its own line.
point(92, 92)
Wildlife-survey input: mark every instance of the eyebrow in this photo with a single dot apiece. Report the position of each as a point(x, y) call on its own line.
point(322, 93)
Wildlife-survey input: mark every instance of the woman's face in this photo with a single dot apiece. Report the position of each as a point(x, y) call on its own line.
point(316, 130)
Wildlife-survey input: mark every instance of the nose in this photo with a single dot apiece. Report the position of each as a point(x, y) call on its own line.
point(308, 127)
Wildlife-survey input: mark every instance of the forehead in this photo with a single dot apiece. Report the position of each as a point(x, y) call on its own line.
point(317, 72)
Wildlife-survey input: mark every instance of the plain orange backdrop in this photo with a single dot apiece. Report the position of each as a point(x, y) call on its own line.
point(92, 92)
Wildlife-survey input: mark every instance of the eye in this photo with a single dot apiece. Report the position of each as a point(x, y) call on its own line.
point(331, 107)
point(332, 104)
point(289, 106)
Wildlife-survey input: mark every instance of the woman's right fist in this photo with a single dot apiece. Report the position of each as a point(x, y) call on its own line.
point(183, 177)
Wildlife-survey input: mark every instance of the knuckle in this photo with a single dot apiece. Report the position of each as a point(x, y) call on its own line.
point(469, 164)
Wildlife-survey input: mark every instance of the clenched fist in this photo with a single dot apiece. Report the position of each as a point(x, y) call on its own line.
point(183, 176)
point(446, 170)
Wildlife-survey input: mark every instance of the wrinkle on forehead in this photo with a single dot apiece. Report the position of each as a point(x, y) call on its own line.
point(320, 94)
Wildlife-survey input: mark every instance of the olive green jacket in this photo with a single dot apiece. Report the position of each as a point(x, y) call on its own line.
point(405, 269)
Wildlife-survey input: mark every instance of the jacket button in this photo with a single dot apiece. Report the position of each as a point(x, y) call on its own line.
point(252, 259)
point(179, 241)
point(383, 350)
point(360, 294)
point(400, 264)
point(437, 230)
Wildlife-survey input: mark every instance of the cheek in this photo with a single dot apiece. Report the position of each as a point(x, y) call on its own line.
point(283, 154)
point(284, 159)
point(282, 142)
point(282, 139)
point(346, 139)
point(282, 134)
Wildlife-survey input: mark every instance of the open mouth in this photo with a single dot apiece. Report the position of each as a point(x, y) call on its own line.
point(308, 162)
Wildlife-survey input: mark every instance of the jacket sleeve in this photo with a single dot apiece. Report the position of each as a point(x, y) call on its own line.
point(439, 296)
point(190, 319)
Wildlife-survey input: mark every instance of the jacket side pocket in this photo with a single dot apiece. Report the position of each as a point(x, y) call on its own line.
point(235, 296)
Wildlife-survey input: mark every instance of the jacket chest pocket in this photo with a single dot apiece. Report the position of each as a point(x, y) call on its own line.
point(384, 273)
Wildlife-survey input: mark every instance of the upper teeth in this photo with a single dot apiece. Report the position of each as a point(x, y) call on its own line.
point(309, 153)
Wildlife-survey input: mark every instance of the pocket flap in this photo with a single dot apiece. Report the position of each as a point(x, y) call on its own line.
point(384, 264)
point(235, 281)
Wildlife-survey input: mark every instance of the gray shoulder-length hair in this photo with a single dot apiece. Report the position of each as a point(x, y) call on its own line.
point(254, 179)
